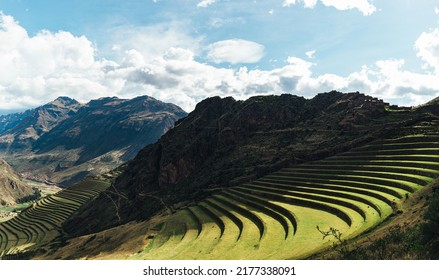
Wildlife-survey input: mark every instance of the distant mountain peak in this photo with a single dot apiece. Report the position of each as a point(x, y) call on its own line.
point(63, 101)
point(104, 100)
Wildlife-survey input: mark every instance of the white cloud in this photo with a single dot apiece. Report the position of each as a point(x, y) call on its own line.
point(217, 22)
point(427, 46)
point(205, 3)
point(436, 10)
point(362, 5)
point(306, 3)
point(301, 67)
point(310, 54)
point(151, 41)
point(235, 51)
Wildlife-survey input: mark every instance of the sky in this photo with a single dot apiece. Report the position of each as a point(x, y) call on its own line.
point(183, 51)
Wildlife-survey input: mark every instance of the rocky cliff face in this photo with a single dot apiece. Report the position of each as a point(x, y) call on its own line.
point(65, 141)
point(225, 142)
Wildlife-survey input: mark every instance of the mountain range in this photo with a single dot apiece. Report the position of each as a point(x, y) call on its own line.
point(64, 141)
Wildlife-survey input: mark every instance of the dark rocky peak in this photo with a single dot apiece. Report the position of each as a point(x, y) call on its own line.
point(325, 99)
point(61, 104)
point(105, 101)
point(216, 103)
point(430, 107)
point(269, 112)
point(150, 104)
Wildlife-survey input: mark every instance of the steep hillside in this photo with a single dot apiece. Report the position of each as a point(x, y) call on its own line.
point(12, 188)
point(65, 141)
point(224, 142)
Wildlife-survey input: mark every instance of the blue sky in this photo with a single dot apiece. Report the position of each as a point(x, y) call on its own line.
point(184, 51)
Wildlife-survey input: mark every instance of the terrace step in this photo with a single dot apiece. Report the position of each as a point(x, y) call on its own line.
point(209, 233)
point(324, 188)
point(316, 198)
point(366, 167)
point(338, 163)
point(413, 178)
point(400, 152)
point(433, 159)
point(404, 185)
point(397, 146)
point(298, 191)
point(397, 193)
point(238, 223)
point(303, 202)
point(269, 205)
point(243, 211)
point(259, 207)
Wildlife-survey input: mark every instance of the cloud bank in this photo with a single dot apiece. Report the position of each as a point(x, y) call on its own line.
point(363, 6)
point(36, 69)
